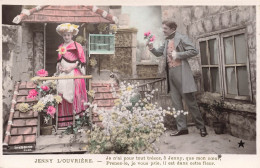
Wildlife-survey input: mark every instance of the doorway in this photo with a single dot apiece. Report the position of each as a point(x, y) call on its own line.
point(53, 40)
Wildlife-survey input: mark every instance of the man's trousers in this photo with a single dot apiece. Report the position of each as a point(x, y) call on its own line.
point(175, 79)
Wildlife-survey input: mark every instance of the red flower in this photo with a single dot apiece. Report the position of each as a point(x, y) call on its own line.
point(32, 94)
point(51, 111)
point(42, 73)
point(147, 34)
point(45, 88)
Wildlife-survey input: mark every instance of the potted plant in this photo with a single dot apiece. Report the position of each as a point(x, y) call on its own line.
point(48, 100)
point(216, 109)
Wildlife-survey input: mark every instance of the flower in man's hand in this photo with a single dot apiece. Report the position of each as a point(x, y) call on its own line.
point(152, 39)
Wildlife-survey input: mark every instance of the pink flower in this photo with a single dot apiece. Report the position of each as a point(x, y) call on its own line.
point(45, 88)
point(32, 94)
point(42, 73)
point(152, 39)
point(147, 34)
point(62, 50)
point(51, 111)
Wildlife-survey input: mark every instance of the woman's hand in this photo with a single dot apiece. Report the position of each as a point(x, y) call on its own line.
point(69, 69)
point(59, 67)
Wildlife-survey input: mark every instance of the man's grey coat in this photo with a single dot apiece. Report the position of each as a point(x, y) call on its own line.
point(185, 49)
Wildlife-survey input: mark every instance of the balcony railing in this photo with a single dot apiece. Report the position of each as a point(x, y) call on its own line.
point(88, 77)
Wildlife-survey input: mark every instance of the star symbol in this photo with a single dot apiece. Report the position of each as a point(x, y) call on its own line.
point(241, 143)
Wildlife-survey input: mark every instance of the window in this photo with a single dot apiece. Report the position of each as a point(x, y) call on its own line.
point(101, 44)
point(224, 65)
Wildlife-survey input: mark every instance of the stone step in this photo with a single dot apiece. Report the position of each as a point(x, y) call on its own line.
point(23, 130)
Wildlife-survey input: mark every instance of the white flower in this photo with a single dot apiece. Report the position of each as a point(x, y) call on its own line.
point(104, 14)
point(94, 9)
point(17, 19)
point(87, 104)
point(38, 8)
point(26, 12)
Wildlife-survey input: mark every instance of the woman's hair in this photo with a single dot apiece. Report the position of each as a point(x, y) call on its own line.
point(170, 24)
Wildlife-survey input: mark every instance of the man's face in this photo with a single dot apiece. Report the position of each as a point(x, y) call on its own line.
point(167, 30)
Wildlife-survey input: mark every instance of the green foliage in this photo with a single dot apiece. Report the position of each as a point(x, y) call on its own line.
point(216, 108)
point(79, 124)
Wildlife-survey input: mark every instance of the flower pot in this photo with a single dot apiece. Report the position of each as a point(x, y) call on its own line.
point(46, 130)
point(219, 127)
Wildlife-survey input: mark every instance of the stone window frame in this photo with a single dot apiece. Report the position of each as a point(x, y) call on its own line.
point(219, 36)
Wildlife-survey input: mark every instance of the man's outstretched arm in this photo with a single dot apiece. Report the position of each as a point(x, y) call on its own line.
point(157, 52)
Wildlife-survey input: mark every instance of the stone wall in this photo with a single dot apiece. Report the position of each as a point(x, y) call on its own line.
point(197, 21)
point(240, 119)
point(11, 49)
point(146, 70)
point(19, 58)
point(202, 21)
point(123, 61)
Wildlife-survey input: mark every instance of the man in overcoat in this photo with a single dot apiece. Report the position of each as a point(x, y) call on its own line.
point(176, 49)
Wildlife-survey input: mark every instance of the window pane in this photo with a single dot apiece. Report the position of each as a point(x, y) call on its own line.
point(242, 81)
point(229, 51)
point(213, 50)
point(206, 79)
point(215, 80)
point(91, 43)
point(240, 44)
point(231, 80)
point(203, 53)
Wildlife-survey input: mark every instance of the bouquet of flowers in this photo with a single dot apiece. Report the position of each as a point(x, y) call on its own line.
point(48, 98)
point(150, 38)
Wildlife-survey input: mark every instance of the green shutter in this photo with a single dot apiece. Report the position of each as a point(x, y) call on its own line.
point(101, 44)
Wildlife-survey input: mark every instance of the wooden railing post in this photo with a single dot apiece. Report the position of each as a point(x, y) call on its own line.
point(57, 115)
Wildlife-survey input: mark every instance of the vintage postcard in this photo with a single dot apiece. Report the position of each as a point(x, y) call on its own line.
point(129, 84)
